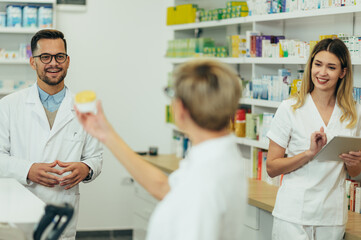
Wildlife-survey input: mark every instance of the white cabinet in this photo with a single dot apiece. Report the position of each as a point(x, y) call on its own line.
point(144, 205)
point(16, 72)
point(20, 209)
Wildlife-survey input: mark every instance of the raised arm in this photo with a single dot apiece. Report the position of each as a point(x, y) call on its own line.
point(150, 177)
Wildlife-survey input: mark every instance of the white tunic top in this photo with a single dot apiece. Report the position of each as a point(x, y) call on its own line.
point(314, 194)
point(207, 197)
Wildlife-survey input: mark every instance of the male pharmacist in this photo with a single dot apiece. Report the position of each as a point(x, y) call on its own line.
point(42, 145)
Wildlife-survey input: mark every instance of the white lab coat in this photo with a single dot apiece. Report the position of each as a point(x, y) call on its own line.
point(313, 194)
point(207, 197)
point(26, 138)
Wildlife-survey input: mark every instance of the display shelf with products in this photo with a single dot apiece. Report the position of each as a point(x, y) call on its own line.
point(18, 30)
point(29, 1)
point(259, 60)
point(259, 102)
point(244, 60)
point(269, 17)
point(293, 25)
point(305, 14)
point(253, 143)
point(19, 21)
point(26, 16)
point(305, 26)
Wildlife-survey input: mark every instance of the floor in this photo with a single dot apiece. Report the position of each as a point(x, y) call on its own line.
point(105, 235)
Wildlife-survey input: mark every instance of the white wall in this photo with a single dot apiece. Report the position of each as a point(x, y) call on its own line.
point(116, 48)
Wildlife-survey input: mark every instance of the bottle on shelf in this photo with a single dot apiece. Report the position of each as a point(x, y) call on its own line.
point(240, 123)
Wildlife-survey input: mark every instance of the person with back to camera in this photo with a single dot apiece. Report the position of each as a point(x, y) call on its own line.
point(42, 145)
point(311, 202)
point(205, 198)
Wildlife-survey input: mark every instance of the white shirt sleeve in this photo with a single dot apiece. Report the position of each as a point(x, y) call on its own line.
point(280, 130)
point(92, 156)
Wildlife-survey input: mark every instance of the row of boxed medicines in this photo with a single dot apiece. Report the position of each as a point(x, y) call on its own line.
point(270, 46)
point(189, 47)
point(251, 45)
point(258, 168)
point(11, 85)
point(273, 87)
point(353, 191)
point(24, 52)
point(190, 13)
point(261, 7)
point(250, 125)
point(27, 16)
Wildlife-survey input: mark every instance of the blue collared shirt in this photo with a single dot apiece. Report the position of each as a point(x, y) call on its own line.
point(51, 102)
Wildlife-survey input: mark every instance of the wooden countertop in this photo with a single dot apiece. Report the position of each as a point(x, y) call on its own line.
point(260, 194)
point(167, 163)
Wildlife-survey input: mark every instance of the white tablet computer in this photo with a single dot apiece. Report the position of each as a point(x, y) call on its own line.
point(338, 145)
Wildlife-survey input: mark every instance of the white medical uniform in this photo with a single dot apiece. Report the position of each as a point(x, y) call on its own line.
point(26, 138)
point(315, 193)
point(207, 198)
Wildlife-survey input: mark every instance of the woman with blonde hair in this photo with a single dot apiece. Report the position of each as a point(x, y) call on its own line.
point(205, 199)
point(311, 203)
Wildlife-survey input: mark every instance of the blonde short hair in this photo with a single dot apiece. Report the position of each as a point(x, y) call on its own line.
point(209, 90)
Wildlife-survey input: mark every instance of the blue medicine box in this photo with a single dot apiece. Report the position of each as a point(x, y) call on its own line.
point(2, 19)
point(13, 15)
point(45, 17)
point(30, 16)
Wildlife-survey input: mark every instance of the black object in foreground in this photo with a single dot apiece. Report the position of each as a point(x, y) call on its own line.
point(54, 221)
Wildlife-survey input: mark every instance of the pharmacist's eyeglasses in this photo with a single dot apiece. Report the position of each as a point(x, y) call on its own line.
point(47, 58)
point(169, 92)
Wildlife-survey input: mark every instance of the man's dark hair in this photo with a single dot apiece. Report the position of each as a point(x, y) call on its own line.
point(46, 34)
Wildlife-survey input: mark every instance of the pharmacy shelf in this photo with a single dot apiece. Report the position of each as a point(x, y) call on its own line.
point(29, 1)
point(208, 24)
point(177, 60)
point(18, 30)
point(15, 61)
point(268, 17)
point(259, 103)
point(258, 60)
point(5, 92)
point(225, 60)
point(305, 14)
point(284, 60)
point(248, 60)
point(253, 143)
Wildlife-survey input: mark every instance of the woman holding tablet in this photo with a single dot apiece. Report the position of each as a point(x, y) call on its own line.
point(311, 203)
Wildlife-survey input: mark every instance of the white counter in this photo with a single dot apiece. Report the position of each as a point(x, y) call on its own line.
point(19, 206)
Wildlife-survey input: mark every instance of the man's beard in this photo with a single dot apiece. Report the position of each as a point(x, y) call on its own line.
point(48, 81)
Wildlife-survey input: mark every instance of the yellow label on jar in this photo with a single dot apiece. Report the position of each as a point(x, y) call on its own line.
point(85, 97)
